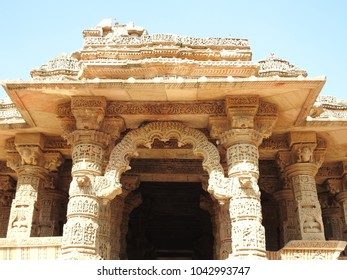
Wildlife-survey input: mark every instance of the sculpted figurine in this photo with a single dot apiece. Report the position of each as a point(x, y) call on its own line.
point(305, 154)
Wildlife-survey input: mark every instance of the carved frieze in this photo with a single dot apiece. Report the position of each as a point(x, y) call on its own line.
point(168, 39)
point(167, 108)
point(166, 166)
point(330, 170)
point(312, 250)
point(56, 143)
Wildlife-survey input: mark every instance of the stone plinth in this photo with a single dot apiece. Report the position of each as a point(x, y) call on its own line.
point(312, 250)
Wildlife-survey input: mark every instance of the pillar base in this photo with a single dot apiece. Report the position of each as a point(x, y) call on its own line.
point(75, 254)
point(312, 250)
point(249, 254)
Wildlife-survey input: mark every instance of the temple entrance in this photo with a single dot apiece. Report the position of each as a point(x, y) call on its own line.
point(169, 224)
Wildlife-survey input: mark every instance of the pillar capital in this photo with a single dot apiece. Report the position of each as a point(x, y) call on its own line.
point(334, 185)
point(87, 115)
point(32, 160)
point(89, 111)
point(241, 110)
point(304, 157)
point(237, 136)
point(248, 120)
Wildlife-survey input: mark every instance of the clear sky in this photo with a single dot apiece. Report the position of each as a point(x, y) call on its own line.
point(311, 34)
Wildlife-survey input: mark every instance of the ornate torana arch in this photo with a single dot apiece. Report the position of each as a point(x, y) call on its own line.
point(109, 184)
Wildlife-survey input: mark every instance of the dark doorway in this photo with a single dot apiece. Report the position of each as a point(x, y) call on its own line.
point(169, 224)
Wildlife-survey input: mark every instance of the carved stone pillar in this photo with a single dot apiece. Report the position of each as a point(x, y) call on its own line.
point(52, 212)
point(32, 165)
point(300, 166)
point(332, 217)
point(249, 120)
point(119, 213)
point(132, 201)
point(339, 189)
point(7, 192)
point(87, 230)
point(342, 199)
point(248, 234)
point(289, 222)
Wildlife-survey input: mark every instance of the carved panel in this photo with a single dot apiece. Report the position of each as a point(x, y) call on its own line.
point(83, 205)
point(166, 166)
point(165, 108)
point(312, 250)
point(275, 142)
point(242, 157)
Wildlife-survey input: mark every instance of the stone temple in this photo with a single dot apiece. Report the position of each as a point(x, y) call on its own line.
point(141, 146)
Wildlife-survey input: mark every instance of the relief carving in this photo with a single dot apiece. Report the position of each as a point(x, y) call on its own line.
point(305, 154)
point(160, 108)
point(29, 154)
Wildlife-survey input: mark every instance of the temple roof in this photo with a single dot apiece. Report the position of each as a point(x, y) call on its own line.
point(122, 51)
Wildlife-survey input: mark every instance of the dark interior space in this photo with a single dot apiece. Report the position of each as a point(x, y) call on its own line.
point(169, 224)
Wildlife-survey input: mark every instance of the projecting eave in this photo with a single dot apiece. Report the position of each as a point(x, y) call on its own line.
point(294, 97)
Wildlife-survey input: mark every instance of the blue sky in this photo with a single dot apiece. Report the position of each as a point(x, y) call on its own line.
point(310, 34)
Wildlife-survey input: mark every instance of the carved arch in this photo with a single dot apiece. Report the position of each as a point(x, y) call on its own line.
point(164, 131)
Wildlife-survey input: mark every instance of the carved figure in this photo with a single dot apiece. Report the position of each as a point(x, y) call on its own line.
point(311, 225)
point(305, 154)
point(28, 156)
point(82, 181)
point(20, 220)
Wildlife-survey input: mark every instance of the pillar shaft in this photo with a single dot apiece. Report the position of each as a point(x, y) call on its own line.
point(342, 199)
point(248, 233)
point(24, 217)
point(289, 221)
point(84, 238)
